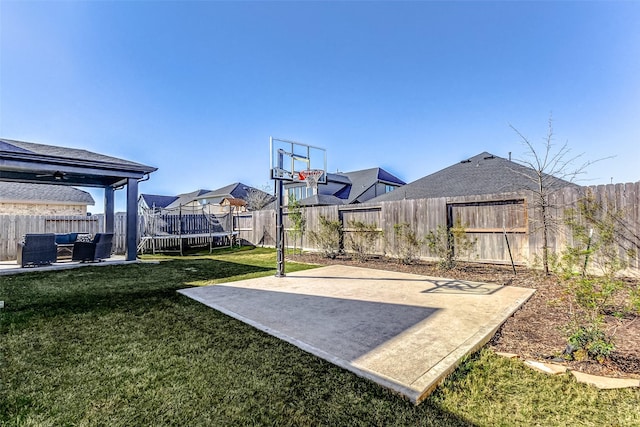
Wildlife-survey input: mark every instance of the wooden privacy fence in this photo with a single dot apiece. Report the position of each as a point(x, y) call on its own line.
point(504, 226)
point(14, 227)
point(487, 222)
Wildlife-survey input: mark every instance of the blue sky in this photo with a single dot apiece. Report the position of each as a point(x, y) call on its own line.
point(196, 88)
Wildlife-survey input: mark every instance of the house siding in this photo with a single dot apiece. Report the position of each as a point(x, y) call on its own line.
point(42, 209)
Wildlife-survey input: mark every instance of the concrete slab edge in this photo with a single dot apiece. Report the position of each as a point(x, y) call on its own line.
point(378, 378)
point(449, 363)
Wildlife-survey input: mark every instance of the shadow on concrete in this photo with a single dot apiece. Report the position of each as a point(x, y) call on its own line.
point(345, 328)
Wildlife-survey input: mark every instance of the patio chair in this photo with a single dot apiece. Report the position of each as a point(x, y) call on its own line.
point(96, 250)
point(37, 249)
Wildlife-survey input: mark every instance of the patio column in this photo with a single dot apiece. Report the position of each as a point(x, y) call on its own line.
point(109, 209)
point(132, 219)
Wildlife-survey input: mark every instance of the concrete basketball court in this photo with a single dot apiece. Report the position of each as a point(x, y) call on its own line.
point(403, 331)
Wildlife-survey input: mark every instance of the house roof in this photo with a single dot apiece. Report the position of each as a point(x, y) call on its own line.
point(362, 180)
point(484, 173)
point(154, 200)
point(186, 198)
point(347, 187)
point(22, 161)
point(321, 200)
point(55, 151)
point(20, 192)
point(236, 190)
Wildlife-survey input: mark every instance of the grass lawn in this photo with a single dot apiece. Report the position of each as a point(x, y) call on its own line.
point(117, 345)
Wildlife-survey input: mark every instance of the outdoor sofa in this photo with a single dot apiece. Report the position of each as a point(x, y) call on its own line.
point(96, 250)
point(37, 249)
point(65, 242)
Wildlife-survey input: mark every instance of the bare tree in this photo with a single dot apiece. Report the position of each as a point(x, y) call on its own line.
point(258, 198)
point(549, 167)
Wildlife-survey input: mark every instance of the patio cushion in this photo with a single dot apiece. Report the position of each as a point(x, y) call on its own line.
point(96, 250)
point(66, 239)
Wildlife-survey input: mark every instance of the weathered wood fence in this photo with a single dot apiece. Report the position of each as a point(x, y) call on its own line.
point(505, 226)
point(14, 227)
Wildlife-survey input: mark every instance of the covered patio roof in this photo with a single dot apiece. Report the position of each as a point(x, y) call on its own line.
point(39, 163)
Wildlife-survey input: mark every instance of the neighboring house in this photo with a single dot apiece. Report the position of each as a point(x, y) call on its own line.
point(17, 198)
point(344, 188)
point(222, 198)
point(155, 202)
point(238, 196)
point(484, 173)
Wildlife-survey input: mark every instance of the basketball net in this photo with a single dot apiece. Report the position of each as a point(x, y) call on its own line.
point(311, 177)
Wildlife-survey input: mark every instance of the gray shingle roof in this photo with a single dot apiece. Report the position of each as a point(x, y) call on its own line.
point(349, 187)
point(321, 200)
point(22, 192)
point(362, 180)
point(185, 198)
point(484, 173)
point(237, 190)
point(157, 201)
point(63, 152)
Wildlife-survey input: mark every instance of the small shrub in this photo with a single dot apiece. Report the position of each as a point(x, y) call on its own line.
point(328, 237)
point(449, 244)
point(298, 222)
point(590, 342)
point(407, 244)
point(362, 238)
point(598, 235)
point(594, 293)
point(634, 301)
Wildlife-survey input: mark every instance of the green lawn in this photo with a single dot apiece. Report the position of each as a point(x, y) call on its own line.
point(118, 345)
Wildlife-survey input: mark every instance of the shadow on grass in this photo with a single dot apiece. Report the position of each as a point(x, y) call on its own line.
point(140, 331)
point(124, 287)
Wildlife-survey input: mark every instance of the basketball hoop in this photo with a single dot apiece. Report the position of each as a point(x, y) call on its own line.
point(311, 176)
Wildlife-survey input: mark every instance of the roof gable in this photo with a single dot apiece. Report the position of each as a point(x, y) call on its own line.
point(349, 187)
point(484, 173)
point(363, 180)
point(237, 190)
point(186, 198)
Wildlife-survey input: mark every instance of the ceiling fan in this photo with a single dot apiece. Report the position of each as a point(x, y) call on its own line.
point(57, 175)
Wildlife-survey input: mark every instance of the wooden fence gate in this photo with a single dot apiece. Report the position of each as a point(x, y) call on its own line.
point(499, 227)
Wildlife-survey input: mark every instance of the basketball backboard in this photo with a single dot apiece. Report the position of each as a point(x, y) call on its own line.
point(289, 158)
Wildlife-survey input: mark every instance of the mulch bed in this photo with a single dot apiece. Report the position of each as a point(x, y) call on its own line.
point(536, 330)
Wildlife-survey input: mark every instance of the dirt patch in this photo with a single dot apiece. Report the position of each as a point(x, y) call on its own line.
point(534, 331)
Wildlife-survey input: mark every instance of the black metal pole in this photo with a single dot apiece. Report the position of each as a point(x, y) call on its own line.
point(279, 220)
point(504, 231)
point(279, 230)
